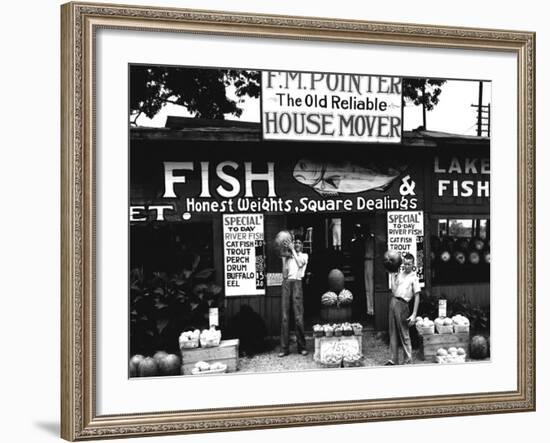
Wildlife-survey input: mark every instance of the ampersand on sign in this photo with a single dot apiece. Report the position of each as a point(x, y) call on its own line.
point(407, 186)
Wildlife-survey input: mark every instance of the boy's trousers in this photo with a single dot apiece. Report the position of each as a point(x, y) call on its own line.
point(292, 295)
point(399, 329)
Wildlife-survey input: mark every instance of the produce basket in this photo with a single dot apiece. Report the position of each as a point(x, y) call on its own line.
point(443, 329)
point(210, 343)
point(447, 359)
point(426, 330)
point(319, 333)
point(189, 344)
point(461, 328)
point(338, 332)
point(196, 371)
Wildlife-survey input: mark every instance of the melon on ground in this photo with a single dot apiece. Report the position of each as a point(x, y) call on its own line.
point(170, 365)
point(479, 347)
point(134, 364)
point(148, 367)
point(159, 356)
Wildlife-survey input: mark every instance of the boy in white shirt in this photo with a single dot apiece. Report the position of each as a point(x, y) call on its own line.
point(404, 286)
point(294, 269)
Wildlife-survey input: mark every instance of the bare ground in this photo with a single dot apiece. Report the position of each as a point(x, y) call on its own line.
point(375, 351)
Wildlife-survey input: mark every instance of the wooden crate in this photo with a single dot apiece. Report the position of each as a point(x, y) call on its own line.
point(227, 353)
point(356, 341)
point(429, 344)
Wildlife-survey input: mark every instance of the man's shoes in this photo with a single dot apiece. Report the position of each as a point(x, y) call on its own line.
point(303, 352)
point(389, 363)
point(283, 354)
point(408, 362)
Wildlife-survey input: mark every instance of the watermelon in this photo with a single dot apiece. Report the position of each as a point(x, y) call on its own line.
point(473, 257)
point(459, 257)
point(479, 347)
point(170, 365)
point(329, 298)
point(281, 239)
point(336, 280)
point(392, 261)
point(478, 244)
point(159, 356)
point(345, 297)
point(148, 367)
point(134, 364)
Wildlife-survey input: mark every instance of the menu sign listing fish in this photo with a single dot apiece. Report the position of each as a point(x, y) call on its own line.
point(244, 254)
point(331, 107)
point(406, 235)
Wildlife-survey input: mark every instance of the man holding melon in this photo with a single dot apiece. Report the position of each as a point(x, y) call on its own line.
point(294, 269)
point(404, 285)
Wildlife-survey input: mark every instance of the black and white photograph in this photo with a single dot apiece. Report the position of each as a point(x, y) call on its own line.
point(275, 221)
point(297, 221)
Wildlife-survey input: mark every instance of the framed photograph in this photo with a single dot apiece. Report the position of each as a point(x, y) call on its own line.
point(282, 221)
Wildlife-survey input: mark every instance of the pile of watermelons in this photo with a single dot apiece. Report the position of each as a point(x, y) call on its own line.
point(460, 259)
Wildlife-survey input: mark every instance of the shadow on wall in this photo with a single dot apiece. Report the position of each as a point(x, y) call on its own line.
point(250, 328)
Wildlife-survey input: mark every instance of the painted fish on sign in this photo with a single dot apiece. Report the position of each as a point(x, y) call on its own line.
point(344, 177)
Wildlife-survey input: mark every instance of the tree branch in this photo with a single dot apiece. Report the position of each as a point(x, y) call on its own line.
point(134, 122)
point(166, 100)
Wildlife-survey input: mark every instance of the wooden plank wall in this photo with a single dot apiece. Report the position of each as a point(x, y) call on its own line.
point(268, 306)
point(381, 288)
point(479, 294)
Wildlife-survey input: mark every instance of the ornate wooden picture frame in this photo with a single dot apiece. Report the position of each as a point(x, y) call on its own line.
point(80, 23)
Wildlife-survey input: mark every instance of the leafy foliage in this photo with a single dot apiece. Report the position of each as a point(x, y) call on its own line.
point(479, 317)
point(429, 307)
point(163, 305)
point(422, 91)
point(202, 91)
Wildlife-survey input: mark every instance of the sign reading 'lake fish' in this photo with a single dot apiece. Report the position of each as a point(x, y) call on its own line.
point(331, 107)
